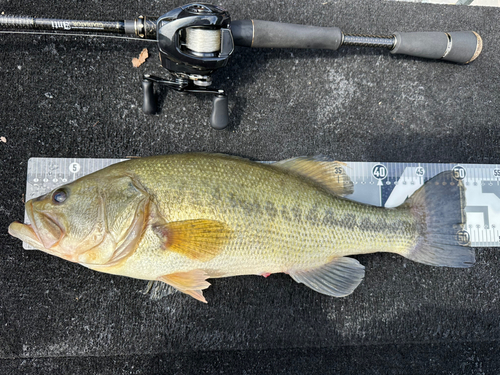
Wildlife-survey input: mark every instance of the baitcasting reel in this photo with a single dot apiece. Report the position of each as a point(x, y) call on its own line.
point(196, 39)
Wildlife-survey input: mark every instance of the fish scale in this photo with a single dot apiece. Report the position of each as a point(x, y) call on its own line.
point(288, 243)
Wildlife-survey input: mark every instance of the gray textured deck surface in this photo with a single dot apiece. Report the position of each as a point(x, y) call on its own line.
point(76, 97)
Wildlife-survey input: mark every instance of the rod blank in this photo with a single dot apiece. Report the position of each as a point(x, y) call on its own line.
point(55, 24)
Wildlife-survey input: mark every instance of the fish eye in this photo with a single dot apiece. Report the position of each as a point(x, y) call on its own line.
point(59, 196)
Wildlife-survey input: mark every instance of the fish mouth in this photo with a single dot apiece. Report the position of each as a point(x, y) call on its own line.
point(26, 233)
point(44, 232)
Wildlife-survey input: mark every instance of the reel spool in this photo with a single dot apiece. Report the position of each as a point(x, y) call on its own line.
point(201, 40)
point(194, 40)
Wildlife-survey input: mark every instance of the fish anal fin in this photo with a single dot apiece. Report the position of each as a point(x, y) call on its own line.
point(196, 294)
point(197, 239)
point(191, 282)
point(337, 278)
point(329, 174)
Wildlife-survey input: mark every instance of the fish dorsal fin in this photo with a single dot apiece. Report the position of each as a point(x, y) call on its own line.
point(191, 282)
point(198, 239)
point(329, 174)
point(338, 278)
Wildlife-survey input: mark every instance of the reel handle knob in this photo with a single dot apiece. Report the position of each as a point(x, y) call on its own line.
point(149, 105)
point(220, 112)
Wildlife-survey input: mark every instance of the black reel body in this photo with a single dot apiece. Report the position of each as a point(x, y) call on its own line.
point(175, 29)
point(194, 40)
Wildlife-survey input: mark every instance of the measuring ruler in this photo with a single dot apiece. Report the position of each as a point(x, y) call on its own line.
point(379, 184)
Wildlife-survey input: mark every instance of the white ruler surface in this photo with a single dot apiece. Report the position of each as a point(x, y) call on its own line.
point(376, 183)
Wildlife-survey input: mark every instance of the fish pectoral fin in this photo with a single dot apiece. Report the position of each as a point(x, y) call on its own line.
point(191, 282)
point(196, 239)
point(329, 174)
point(337, 278)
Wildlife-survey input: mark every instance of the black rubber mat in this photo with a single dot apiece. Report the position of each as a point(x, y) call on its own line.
point(68, 96)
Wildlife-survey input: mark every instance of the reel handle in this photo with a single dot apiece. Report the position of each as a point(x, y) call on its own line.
point(219, 118)
point(459, 46)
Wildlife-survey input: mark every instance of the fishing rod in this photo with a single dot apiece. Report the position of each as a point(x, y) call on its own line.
point(196, 39)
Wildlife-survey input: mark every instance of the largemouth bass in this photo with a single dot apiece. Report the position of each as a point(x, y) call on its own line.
point(185, 218)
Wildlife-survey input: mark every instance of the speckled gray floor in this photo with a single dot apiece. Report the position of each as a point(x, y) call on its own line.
point(76, 97)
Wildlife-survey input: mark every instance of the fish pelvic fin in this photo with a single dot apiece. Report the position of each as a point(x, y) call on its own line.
point(337, 278)
point(439, 209)
point(196, 239)
point(329, 174)
point(191, 282)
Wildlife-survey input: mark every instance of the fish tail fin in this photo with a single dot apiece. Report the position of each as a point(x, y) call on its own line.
point(439, 208)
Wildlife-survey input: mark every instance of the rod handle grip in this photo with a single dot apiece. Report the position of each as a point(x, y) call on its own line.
point(458, 46)
point(266, 34)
